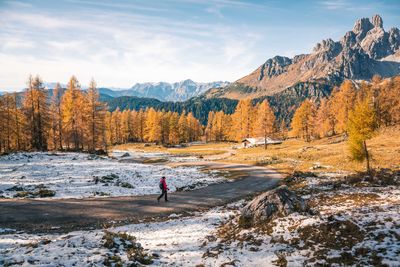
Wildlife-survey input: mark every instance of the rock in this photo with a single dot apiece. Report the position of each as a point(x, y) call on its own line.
point(126, 154)
point(377, 21)
point(349, 39)
point(361, 27)
point(274, 66)
point(278, 202)
point(394, 39)
point(125, 185)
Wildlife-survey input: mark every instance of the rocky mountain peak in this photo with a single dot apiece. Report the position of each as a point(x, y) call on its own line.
point(274, 66)
point(328, 47)
point(394, 38)
point(362, 26)
point(363, 52)
point(377, 21)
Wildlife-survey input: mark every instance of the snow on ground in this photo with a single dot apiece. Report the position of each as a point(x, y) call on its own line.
point(352, 226)
point(355, 223)
point(176, 242)
point(143, 155)
point(78, 175)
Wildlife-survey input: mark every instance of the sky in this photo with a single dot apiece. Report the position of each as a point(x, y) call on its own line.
point(120, 43)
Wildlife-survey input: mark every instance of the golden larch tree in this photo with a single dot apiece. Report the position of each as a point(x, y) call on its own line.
point(303, 121)
point(265, 121)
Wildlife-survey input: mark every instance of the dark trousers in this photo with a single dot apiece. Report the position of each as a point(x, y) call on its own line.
point(163, 193)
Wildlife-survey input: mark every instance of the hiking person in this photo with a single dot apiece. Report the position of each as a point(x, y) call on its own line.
point(164, 189)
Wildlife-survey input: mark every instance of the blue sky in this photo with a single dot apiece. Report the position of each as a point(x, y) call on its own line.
point(119, 43)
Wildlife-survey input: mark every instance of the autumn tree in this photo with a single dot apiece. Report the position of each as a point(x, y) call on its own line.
point(183, 128)
point(194, 130)
point(165, 127)
point(325, 119)
point(8, 105)
point(342, 101)
point(95, 113)
point(56, 130)
point(36, 113)
point(153, 127)
point(283, 130)
point(361, 126)
point(387, 102)
point(265, 121)
point(303, 121)
point(174, 128)
point(209, 131)
point(243, 118)
point(73, 117)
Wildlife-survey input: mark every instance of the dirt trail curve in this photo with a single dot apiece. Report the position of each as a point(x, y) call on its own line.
point(62, 215)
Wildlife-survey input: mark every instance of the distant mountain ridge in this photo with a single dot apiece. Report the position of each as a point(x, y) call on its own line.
point(363, 52)
point(163, 91)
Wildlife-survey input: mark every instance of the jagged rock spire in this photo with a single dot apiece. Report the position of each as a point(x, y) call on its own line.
point(377, 21)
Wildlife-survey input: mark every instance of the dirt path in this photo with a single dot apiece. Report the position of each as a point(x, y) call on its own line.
point(62, 215)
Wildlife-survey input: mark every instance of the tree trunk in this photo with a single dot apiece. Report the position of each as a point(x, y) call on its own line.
point(367, 156)
point(265, 142)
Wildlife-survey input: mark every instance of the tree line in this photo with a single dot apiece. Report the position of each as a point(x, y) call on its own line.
point(248, 120)
point(356, 111)
point(75, 119)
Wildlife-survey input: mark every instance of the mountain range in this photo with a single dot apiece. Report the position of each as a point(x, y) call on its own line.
point(363, 52)
point(178, 91)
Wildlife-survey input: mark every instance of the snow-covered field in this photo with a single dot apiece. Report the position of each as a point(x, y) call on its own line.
point(356, 222)
point(352, 226)
point(77, 175)
point(176, 242)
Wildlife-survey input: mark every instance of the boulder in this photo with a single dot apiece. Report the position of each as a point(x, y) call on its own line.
point(275, 203)
point(125, 155)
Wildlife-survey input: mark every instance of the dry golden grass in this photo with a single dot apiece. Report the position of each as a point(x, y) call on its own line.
point(296, 155)
point(208, 149)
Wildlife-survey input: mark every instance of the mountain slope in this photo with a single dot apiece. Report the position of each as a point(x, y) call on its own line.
point(365, 51)
point(199, 106)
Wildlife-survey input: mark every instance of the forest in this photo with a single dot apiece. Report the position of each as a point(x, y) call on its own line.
point(75, 119)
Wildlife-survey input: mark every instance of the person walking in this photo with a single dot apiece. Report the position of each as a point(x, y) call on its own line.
point(164, 189)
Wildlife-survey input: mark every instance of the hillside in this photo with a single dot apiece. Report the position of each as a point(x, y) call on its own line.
point(363, 52)
point(199, 106)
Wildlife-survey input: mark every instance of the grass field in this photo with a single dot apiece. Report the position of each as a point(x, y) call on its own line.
point(327, 154)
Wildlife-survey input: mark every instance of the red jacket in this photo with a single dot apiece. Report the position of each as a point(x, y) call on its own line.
point(164, 183)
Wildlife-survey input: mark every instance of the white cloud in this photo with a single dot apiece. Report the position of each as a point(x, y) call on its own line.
point(120, 49)
point(341, 5)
